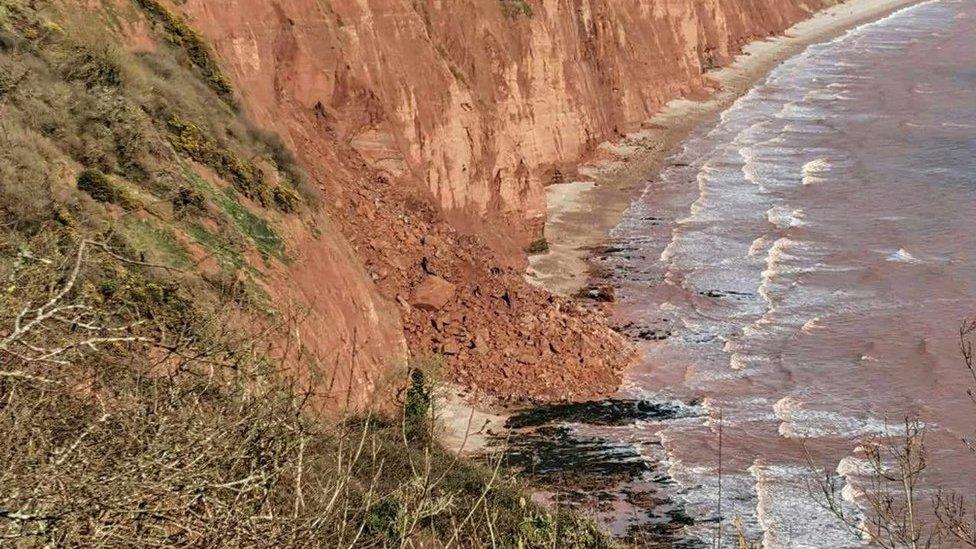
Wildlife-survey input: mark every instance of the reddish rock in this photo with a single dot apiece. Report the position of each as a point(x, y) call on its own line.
point(450, 349)
point(432, 294)
point(480, 344)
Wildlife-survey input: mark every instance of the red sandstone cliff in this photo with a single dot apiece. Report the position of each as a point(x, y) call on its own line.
point(432, 127)
point(478, 106)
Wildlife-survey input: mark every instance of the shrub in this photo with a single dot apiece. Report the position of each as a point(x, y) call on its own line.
point(93, 67)
point(288, 166)
point(26, 170)
point(284, 198)
point(188, 198)
point(98, 186)
point(416, 405)
point(9, 41)
point(191, 140)
point(516, 8)
point(537, 247)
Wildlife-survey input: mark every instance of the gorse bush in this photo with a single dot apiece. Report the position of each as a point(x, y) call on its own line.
point(93, 67)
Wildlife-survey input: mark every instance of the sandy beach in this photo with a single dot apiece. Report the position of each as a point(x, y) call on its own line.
point(582, 213)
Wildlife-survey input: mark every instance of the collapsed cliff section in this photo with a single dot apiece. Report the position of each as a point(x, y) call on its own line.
point(432, 129)
point(460, 302)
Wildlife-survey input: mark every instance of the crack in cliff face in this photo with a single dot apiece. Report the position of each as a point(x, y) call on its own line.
point(400, 110)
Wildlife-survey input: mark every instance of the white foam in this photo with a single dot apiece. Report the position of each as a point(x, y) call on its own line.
point(800, 112)
point(813, 170)
point(757, 328)
point(759, 245)
point(808, 128)
point(903, 256)
point(668, 252)
point(850, 493)
point(778, 253)
point(854, 466)
point(798, 421)
point(811, 325)
point(699, 205)
point(750, 166)
point(789, 512)
point(764, 503)
point(784, 410)
point(784, 218)
point(825, 95)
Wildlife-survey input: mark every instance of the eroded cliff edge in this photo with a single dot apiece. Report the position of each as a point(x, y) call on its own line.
point(432, 128)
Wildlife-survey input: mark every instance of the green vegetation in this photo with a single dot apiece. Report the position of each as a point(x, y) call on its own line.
point(516, 8)
point(537, 247)
point(192, 44)
point(77, 103)
point(94, 67)
point(229, 258)
point(188, 200)
point(189, 139)
point(252, 226)
point(257, 229)
point(99, 187)
point(155, 243)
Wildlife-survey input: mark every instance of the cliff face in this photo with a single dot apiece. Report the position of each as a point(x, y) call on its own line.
point(432, 127)
point(479, 100)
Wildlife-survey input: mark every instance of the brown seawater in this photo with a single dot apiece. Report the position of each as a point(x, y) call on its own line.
point(802, 269)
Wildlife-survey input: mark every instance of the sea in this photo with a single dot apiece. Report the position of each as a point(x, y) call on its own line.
point(796, 279)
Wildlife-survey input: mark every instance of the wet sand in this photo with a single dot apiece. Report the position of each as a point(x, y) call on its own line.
point(581, 214)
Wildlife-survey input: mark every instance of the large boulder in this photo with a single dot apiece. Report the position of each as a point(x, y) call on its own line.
point(432, 294)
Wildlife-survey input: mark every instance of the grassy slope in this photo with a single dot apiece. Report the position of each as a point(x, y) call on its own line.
point(138, 210)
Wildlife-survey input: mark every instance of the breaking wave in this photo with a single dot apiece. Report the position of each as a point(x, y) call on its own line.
point(813, 171)
point(783, 217)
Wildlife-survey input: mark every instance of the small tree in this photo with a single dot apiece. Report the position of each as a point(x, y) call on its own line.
point(895, 468)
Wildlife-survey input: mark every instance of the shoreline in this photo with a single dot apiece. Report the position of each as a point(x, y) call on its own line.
point(581, 214)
